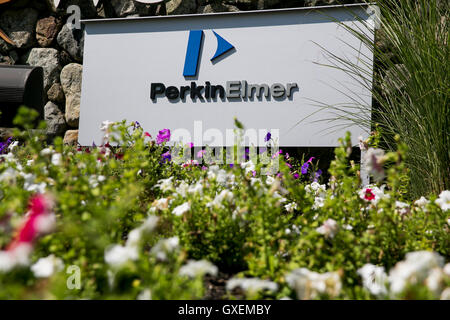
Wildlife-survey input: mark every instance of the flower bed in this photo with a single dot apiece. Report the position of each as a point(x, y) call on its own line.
point(130, 223)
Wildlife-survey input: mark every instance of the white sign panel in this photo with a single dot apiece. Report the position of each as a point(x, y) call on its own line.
point(199, 72)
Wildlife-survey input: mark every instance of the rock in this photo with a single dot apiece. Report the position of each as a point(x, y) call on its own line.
point(127, 8)
point(47, 58)
point(10, 59)
point(244, 4)
point(72, 40)
point(87, 8)
point(46, 30)
point(55, 93)
point(56, 125)
point(181, 7)
point(313, 3)
point(65, 58)
point(71, 84)
point(71, 137)
point(19, 25)
point(217, 7)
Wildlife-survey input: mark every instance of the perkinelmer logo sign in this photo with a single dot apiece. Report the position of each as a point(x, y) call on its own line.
point(232, 90)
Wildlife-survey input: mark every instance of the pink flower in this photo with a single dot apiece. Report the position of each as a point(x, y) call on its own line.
point(201, 153)
point(39, 220)
point(163, 136)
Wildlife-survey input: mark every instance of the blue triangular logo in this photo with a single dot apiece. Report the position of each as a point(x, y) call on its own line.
point(223, 46)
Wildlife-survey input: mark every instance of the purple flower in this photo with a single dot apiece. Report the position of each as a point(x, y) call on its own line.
point(296, 175)
point(4, 145)
point(167, 157)
point(163, 136)
point(136, 125)
point(289, 165)
point(317, 175)
point(201, 153)
point(305, 167)
point(190, 145)
point(231, 165)
point(268, 137)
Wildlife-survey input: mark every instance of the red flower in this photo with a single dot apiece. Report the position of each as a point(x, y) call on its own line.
point(369, 195)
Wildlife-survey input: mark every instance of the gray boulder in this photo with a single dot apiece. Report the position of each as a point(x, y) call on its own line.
point(72, 40)
point(56, 125)
point(55, 93)
point(71, 84)
point(181, 7)
point(129, 8)
point(217, 7)
point(48, 59)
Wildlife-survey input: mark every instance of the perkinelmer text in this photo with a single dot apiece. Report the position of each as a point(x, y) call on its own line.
point(232, 90)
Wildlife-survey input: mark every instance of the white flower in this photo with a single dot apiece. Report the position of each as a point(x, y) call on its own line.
point(117, 255)
point(46, 152)
point(165, 184)
point(435, 281)
point(249, 166)
point(106, 125)
point(135, 235)
point(374, 279)
point(329, 228)
point(373, 159)
point(13, 145)
point(316, 189)
point(413, 270)
point(224, 195)
point(290, 207)
point(444, 200)
point(19, 256)
point(270, 180)
point(9, 175)
point(445, 295)
point(251, 285)
point(145, 295)
point(196, 188)
point(318, 203)
point(46, 267)
point(402, 208)
point(181, 209)
point(373, 194)
point(57, 159)
point(422, 202)
point(164, 246)
point(309, 285)
point(198, 268)
point(182, 189)
point(161, 204)
point(446, 269)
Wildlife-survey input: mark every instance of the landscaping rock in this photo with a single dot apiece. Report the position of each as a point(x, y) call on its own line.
point(181, 7)
point(217, 7)
point(71, 84)
point(71, 137)
point(48, 59)
point(46, 30)
point(20, 26)
point(55, 93)
point(72, 40)
point(56, 125)
point(128, 8)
